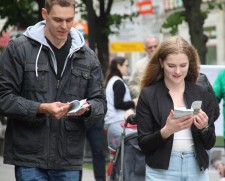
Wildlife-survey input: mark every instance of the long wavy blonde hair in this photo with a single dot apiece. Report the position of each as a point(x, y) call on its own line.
point(173, 45)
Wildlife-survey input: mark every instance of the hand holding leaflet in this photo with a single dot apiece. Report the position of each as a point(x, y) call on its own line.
point(76, 105)
point(179, 112)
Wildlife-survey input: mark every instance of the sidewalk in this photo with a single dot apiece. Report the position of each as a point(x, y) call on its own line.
point(7, 172)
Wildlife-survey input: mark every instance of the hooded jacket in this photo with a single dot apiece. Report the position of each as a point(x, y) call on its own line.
point(28, 70)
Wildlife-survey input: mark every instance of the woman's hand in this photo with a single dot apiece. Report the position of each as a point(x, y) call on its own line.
point(174, 125)
point(201, 119)
point(128, 113)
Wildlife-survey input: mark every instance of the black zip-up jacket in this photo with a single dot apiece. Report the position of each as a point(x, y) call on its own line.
point(27, 79)
point(153, 108)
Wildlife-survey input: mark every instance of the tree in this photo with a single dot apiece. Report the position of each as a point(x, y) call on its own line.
point(195, 18)
point(100, 26)
point(20, 13)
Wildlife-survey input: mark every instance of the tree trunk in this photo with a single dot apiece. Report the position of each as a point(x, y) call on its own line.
point(41, 4)
point(102, 43)
point(91, 18)
point(195, 20)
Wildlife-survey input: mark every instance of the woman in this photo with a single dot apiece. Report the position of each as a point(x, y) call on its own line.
point(175, 149)
point(117, 93)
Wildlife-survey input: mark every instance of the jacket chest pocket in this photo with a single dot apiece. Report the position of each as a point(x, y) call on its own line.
point(36, 80)
point(78, 82)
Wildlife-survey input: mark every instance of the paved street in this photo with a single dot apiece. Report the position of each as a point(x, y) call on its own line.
point(7, 173)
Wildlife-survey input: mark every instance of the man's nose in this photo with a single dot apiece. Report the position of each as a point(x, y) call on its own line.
point(63, 25)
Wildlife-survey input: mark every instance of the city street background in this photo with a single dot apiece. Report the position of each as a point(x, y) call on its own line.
point(7, 173)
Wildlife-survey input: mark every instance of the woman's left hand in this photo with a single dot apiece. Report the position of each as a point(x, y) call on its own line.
point(201, 119)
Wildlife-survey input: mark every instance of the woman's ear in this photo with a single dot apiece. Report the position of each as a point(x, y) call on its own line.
point(161, 62)
point(119, 67)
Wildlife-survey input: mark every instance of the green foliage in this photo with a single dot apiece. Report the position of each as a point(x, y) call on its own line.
point(19, 13)
point(173, 21)
point(115, 21)
point(81, 7)
point(219, 141)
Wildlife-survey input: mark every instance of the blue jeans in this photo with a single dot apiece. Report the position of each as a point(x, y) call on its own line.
point(38, 174)
point(95, 137)
point(182, 167)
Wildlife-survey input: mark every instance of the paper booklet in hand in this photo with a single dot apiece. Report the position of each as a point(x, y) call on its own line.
point(77, 105)
point(179, 112)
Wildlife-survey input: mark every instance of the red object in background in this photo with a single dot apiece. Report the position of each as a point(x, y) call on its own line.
point(128, 125)
point(82, 26)
point(145, 7)
point(4, 39)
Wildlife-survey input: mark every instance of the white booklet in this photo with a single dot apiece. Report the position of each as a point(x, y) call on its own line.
point(179, 112)
point(77, 105)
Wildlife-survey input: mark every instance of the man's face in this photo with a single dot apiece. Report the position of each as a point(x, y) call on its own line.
point(58, 22)
point(150, 45)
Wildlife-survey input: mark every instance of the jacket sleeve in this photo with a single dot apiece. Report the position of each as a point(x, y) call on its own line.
point(96, 93)
point(149, 139)
point(204, 82)
point(119, 93)
point(209, 139)
point(11, 79)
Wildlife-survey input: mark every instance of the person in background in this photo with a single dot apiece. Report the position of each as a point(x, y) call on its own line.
point(175, 148)
point(95, 137)
point(117, 93)
point(40, 73)
point(150, 44)
point(217, 163)
point(219, 89)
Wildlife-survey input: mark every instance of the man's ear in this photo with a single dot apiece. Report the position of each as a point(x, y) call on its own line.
point(44, 13)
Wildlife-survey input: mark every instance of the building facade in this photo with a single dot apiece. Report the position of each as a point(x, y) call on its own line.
point(153, 13)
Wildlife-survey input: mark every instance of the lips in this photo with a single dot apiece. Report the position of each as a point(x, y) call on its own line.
point(61, 33)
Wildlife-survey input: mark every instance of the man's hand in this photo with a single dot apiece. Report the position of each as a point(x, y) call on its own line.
point(84, 108)
point(55, 109)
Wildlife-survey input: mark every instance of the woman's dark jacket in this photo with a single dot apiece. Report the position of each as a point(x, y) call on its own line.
point(153, 108)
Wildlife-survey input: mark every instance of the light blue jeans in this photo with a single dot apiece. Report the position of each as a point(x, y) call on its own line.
point(37, 174)
point(182, 167)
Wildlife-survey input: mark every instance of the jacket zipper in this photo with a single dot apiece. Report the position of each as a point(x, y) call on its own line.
point(57, 84)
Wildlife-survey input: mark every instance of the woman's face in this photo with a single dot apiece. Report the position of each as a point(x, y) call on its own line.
point(175, 68)
point(123, 68)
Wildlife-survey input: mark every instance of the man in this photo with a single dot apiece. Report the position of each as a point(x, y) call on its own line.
point(40, 73)
point(150, 45)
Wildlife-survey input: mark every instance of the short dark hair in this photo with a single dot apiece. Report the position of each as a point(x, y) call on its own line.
point(64, 3)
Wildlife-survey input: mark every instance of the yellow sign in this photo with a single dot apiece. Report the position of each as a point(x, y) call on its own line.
point(126, 47)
